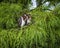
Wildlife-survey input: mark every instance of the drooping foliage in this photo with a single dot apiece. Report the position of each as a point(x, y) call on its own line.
point(9, 15)
point(23, 2)
point(43, 32)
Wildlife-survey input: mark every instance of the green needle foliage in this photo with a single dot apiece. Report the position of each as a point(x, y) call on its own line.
point(43, 32)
